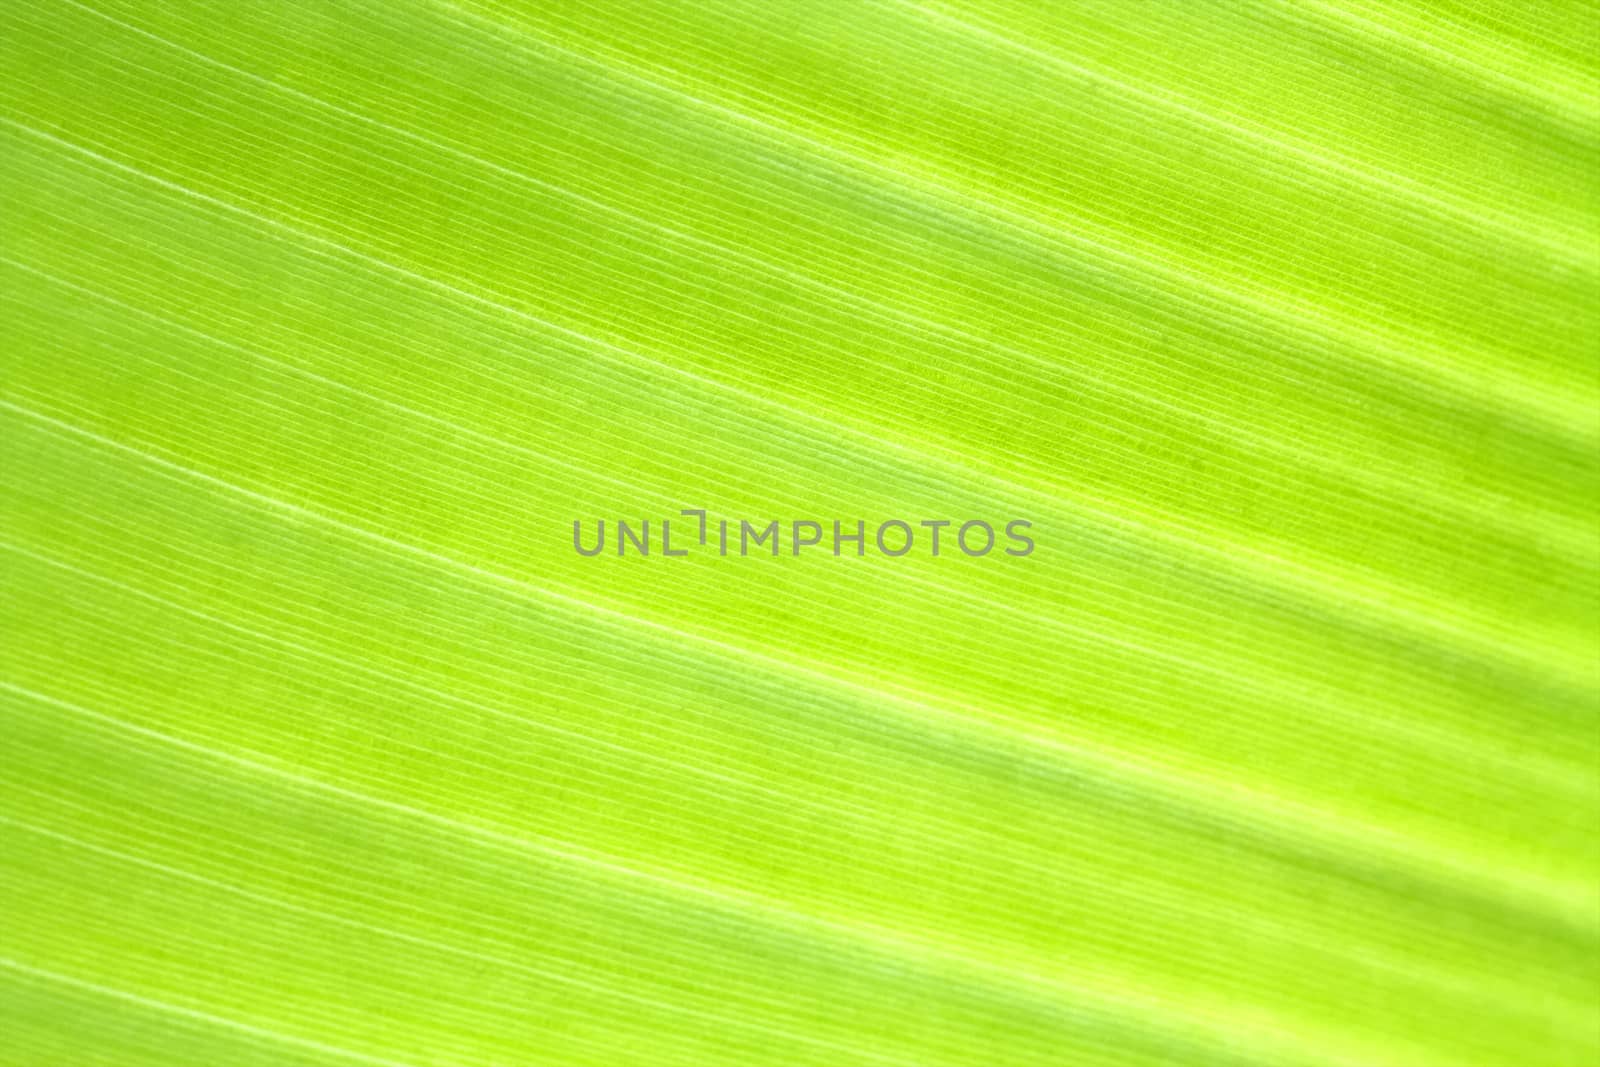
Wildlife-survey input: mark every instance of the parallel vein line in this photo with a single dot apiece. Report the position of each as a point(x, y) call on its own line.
point(194, 1015)
point(1317, 156)
point(1524, 400)
point(1154, 1012)
point(1424, 490)
point(606, 989)
point(1394, 607)
point(1239, 801)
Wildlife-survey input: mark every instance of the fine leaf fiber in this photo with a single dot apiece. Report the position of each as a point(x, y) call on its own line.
point(321, 324)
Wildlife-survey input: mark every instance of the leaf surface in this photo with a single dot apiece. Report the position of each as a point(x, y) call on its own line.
point(323, 323)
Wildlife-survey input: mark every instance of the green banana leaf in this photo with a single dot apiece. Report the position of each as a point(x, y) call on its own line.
point(1261, 728)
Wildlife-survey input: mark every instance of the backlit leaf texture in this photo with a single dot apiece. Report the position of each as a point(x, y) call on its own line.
point(323, 321)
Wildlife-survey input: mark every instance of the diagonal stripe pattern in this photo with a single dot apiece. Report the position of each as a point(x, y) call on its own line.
point(323, 323)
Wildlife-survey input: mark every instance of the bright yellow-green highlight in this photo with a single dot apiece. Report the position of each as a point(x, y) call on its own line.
point(321, 324)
